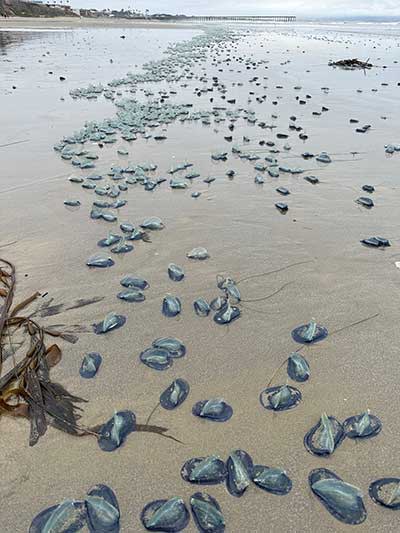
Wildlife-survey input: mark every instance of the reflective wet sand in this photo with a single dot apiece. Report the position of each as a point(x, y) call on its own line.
point(339, 282)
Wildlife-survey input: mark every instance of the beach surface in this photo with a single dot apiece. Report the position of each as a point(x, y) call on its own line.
point(313, 262)
point(83, 22)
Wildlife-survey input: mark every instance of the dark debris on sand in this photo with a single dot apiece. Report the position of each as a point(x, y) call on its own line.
point(351, 64)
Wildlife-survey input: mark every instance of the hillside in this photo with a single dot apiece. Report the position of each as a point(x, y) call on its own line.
point(18, 8)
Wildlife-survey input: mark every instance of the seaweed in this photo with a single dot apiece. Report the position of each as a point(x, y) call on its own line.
point(351, 64)
point(26, 389)
point(51, 310)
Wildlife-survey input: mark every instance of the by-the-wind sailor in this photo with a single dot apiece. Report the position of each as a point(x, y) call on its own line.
point(209, 470)
point(110, 240)
point(75, 179)
point(122, 247)
point(240, 472)
point(309, 333)
point(169, 516)
point(192, 175)
point(171, 306)
point(283, 191)
point(220, 156)
point(368, 188)
point(216, 410)
point(323, 157)
point(101, 204)
point(96, 214)
point(175, 394)
point(365, 202)
point(207, 513)
point(273, 172)
point(156, 358)
point(312, 179)
point(228, 313)
point(386, 492)
point(175, 272)
point(119, 203)
point(99, 261)
point(134, 282)
point(201, 307)
point(103, 512)
point(127, 227)
point(150, 185)
point(282, 207)
point(174, 346)
point(72, 203)
point(101, 191)
point(280, 398)
point(362, 426)
point(392, 148)
point(114, 191)
point(131, 295)
point(232, 291)
point(298, 368)
point(376, 242)
point(108, 217)
point(218, 303)
point(111, 321)
point(177, 183)
point(229, 286)
point(179, 167)
point(114, 432)
point(324, 437)
point(152, 223)
point(68, 516)
point(198, 253)
point(342, 500)
point(90, 365)
point(273, 480)
point(138, 235)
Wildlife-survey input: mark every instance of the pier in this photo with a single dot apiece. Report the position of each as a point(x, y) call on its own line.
point(244, 18)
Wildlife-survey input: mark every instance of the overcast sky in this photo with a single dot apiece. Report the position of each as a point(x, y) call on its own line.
point(340, 8)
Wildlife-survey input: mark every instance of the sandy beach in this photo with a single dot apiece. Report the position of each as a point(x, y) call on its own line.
point(312, 258)
point(82, 22)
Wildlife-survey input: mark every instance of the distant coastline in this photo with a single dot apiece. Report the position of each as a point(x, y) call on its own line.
point(38, 12)
point(83, 22)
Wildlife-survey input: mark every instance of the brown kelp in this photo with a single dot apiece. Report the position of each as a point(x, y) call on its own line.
point(26, 389)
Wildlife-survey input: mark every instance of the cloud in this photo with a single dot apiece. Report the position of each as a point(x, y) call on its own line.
point(338, 8)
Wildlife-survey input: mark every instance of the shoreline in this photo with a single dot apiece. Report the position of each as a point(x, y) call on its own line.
point(82, 22)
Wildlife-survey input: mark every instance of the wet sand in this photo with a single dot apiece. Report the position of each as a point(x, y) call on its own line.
point(340, 282)
point(79, 22)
